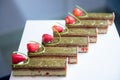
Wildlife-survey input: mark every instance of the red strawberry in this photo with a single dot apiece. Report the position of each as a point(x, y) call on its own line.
point(33, 47)
point(69, 20)
point(46, 38)
point(77, 12)
point(16, 58)
point(58, 28)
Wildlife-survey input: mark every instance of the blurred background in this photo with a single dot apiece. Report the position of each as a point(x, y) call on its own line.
point(14, 13)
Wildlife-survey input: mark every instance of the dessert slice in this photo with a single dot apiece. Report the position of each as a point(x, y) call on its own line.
point(80, 32)
point(80, 42)
point(84, 15)
point(41, 67)
point(102, 25)
point(57, 52)
point(99, 16)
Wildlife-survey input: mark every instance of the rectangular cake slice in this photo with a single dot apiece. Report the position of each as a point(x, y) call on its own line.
point(101, 25)
point(41, 67)
point(81, 32)
point(80, 42)
point(99, 16)
point(59, 52)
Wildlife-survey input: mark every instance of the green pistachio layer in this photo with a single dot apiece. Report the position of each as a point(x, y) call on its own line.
point(98, 16)
point(43, 63)
point(59, 51)
point(79, 32)
point(73, 40)
point(89, 23)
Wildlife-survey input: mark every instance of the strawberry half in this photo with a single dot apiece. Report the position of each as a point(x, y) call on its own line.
point(33, 47)
point(16, 58)
point(77, 12)
point(58, 28)
point(46, 38)
point(69, 20)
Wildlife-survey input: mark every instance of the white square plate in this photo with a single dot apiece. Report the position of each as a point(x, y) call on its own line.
point(102, 62)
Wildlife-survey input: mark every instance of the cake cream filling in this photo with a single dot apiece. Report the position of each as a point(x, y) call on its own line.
point(39, 72)
point(72, 60)
point(92, 39)
point(102, 30)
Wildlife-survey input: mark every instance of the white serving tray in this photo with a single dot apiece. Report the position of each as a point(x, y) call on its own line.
point(102, 62)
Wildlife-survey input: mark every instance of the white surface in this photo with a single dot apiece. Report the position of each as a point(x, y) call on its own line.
point(102, 62)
